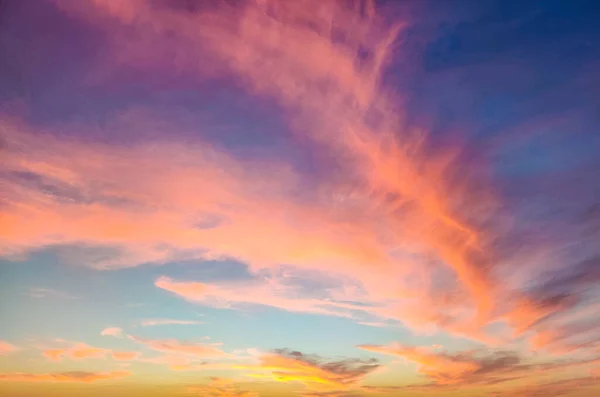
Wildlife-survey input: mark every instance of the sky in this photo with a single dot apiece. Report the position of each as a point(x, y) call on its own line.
point(312, 198)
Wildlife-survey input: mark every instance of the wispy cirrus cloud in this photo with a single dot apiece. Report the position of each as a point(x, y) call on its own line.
point(48, 293)
point(416, 226)
point(392, 194)
point(269, 292)
point(72, 376)
point(167, 321)
point(174, 346)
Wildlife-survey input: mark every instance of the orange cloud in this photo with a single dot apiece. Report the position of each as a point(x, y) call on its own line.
point(7, 348)
point(124, 356)
point(220, 387)
point(77, 352)
point(476, 368)
point(172, 360)
point(74, 376)
point(80, 351)
point(442, 368)
point(312, 371)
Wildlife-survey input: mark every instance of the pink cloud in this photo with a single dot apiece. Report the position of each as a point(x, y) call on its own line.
point(352, 225)
point(268, 293)
point(124, 356)
point(443, 368)
point(394, 219)
point(475, 368)
point(73, 376)
point(48, 293)
point(173, 346)
point(7, 348)
point(166, 321)
point(112, 331)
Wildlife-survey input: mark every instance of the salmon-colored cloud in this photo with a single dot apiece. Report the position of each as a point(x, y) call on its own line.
point(475, 368)
point(398, 222)
point(112, 331)
point(394, 206)
point(73, 376)
point(81, 351)
point(173, 346)
point(124, 356)
point(440, 367)
point(7, 348)
point(171, 360)
point(268, 293)
point(76, 352)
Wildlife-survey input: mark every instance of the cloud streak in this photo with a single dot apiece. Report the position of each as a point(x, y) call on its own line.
point(73, 376)
point(166, 321)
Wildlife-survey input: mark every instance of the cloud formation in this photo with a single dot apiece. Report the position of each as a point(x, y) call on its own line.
point(220, 387)
point(473, 368)
point(112, 331)
point(392, 208)
point(167, 321)
point(314, 372)
point(394, 227)
point(7, 348)
point(173, 346)
point(77, 352)
point(73, 376)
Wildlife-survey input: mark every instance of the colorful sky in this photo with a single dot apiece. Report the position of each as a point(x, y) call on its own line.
point(303, 198)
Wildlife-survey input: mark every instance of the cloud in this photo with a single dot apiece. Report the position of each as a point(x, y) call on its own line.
point(112, 331)
point(173, 346)
point(76, 352)
point(472, 368)
point(171, 360)
point(392, 194)
point(313, 371)
point(270, 292)
point(415, 226)
point(220, 387)
point(166, 321)
point(81, 351)
point(124, 356)
point(73, 376)
point(48, 293)
point(7, 348)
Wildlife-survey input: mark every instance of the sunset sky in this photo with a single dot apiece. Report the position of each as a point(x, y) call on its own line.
point(312, 198)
